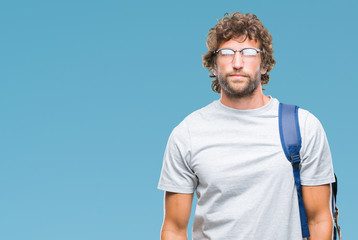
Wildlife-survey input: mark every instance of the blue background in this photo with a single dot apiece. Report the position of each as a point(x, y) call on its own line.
point(90, 91)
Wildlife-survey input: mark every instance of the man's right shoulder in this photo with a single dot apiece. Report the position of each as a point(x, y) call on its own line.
point(199, 116)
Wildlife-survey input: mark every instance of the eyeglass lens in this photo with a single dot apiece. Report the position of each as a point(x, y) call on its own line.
point(247, 55)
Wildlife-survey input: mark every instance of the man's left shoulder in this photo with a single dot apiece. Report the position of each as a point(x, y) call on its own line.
point(307, 119)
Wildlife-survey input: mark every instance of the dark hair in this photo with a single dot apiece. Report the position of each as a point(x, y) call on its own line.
point(233, 26)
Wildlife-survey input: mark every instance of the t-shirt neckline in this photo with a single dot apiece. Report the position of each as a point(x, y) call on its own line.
point(255, 111)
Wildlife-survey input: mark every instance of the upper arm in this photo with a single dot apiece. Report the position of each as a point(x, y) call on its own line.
point(177, 210)
point(317, 202)
point(316, 160)
point(177, 174)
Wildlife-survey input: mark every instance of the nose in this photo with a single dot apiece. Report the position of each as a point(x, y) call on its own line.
point(238, 62)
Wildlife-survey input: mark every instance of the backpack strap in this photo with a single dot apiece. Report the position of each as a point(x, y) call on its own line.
point(335, 211)
point(291, 144)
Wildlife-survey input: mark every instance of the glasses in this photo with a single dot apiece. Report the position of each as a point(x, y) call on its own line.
point(227, 55)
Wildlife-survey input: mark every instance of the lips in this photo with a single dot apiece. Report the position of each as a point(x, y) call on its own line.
point(237, 75)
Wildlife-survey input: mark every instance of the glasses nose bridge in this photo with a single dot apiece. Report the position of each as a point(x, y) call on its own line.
point(240, 54)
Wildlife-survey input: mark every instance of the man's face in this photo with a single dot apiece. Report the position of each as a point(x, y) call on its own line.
point(239, 77)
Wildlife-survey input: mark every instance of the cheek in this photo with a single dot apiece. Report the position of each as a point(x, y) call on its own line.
point(221, 69)
point(257, 69)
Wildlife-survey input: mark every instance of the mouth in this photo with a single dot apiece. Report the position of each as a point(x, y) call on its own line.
point(238, 75)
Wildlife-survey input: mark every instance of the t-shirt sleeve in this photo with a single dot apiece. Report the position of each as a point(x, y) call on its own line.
point(176, 175)
point(316, 166)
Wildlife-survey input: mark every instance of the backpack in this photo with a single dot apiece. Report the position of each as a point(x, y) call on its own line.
point(291, 143)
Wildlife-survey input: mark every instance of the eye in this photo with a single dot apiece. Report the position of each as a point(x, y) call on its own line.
point(227, 52)
point(249, 52)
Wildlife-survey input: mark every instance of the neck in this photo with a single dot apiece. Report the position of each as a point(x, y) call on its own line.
point(256, 100)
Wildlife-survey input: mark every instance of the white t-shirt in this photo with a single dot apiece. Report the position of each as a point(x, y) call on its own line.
point(234, 161)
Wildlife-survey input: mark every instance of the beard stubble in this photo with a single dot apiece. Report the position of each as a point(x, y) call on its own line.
point(248, 88)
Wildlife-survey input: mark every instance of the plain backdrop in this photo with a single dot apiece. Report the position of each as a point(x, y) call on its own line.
point(91, 90)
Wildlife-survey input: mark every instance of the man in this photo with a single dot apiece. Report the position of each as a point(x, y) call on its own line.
point(230, 153)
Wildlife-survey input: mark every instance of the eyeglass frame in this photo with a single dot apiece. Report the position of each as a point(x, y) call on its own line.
point(240, 51)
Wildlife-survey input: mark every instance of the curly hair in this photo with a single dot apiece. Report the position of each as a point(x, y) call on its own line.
point(233, 26)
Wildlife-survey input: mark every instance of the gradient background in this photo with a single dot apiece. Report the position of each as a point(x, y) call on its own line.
point(91, 90)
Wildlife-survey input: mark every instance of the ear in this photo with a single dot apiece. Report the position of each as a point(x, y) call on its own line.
point(263, 71)
point(215, 72)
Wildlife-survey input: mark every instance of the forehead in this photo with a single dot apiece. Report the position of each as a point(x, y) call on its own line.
point(239, 43)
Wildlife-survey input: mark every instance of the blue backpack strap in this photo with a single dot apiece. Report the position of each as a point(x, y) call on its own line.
point(335, 211)
point(291, 144)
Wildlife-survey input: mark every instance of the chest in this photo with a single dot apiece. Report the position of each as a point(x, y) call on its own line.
point(239, 154)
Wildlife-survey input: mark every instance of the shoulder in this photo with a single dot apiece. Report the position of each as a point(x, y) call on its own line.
point(197, 117)
point(310, 127)
point(308, 121)
point(314, 139)
point(193, 120)
point(316, 167)
point(203, 112)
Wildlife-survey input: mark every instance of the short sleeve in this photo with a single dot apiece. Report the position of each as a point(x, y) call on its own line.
point(176, 175)
point(316, 166)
